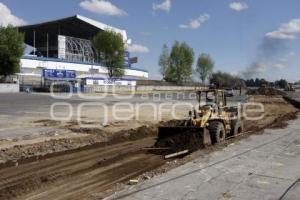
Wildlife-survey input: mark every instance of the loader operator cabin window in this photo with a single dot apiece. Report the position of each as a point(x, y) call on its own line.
point(155, 99)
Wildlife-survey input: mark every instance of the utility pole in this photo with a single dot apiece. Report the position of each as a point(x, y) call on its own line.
point(47, 45)
point(34, 42)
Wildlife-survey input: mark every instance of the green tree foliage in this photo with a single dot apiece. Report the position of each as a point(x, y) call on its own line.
point(259, 83)
point(283, 84)
point(226, 80)
point(181, 60)
point(250, 83)
point(164, 61)
point(205, 66)
point(110, 51)
point(11, 50)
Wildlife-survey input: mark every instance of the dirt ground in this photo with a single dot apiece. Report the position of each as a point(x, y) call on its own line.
point(101, 160)
point(82, 130)
point(276, 113)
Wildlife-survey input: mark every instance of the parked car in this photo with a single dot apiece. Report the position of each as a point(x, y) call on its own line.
point(229, 93)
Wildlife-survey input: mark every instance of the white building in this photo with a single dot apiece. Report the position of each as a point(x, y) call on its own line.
point(62, 50)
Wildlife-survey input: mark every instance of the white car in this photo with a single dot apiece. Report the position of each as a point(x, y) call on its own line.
point(229, 93)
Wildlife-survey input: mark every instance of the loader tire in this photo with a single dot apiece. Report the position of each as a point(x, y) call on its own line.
point(217, 131)
point(237, 128)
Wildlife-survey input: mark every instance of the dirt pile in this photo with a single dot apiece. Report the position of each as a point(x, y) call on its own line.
point(134, 134)
point(282, 121)
point(96, 138)
point(265, 91)
point(293, 101)
point(120, 136)
point(47, 122)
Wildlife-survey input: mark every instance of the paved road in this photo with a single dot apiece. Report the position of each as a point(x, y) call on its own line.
point(27, 104)
point(261, 167)
point(18, 111)
point(22, 103)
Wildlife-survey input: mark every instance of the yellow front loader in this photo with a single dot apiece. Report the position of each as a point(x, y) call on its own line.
point(211, 122)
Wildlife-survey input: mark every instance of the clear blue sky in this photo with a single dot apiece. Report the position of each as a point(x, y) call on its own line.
point(233, 34)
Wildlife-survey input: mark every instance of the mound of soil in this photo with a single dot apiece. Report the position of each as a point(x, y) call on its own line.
point(282, 121)
point(97, 138)
point(294, 102)
point(265, 91)
point(47, 122)
point(134, 134)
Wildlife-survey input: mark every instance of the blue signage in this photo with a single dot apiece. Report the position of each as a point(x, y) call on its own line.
point(59, 74)
point(127, 55)
point(127, 62)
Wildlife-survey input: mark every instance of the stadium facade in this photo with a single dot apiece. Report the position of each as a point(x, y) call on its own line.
point(62, 51)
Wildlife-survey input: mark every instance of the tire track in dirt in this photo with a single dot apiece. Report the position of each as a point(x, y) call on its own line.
point(83, 160)
point(100, 179)
point(111, 164)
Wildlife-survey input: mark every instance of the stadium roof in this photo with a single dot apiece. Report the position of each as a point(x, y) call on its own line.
point(75, 26)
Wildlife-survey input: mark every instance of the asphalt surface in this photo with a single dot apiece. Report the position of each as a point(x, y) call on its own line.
point(19, 111)
point(262, 167)
point(35, 103)
point(23, 103)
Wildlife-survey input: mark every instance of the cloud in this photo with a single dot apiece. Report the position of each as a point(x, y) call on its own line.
point(7, 18)
point(291, 53)
point(280, 66)
point(164, 6)
point(137, 48)
point(287, 57)
point(195, 23)
point(286, 31)
point(102, 7)
point(238, 6)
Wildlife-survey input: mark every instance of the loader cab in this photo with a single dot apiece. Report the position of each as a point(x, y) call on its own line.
point(212, 97)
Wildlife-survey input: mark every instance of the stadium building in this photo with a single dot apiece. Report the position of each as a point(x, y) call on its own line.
point(62, 51)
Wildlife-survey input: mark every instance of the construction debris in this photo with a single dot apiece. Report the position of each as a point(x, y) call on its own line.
point(133, 181)
point(176, 154)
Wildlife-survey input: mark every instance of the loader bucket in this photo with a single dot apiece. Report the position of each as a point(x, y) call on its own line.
point(182, 138)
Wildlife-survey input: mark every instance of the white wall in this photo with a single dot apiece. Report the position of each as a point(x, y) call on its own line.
point(33, 64)
point(168, 88)
point(109, 82)
point(9, 88)
point(147, 88)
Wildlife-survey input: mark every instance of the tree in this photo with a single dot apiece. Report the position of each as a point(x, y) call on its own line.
point(250, 83)
point(181, 60)
point(164, 61)
point(257, 82)
point(205, 66)
point(110, 51)
point(281, 83)
point(11, 50)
